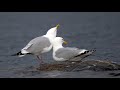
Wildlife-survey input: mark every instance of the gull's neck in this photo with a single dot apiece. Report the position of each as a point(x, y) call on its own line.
point(50, 37)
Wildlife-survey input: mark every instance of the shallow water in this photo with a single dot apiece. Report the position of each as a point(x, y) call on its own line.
point(90, 30)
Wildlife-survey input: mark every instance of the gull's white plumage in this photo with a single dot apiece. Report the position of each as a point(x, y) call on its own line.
point(61, 53)
point(39, 45)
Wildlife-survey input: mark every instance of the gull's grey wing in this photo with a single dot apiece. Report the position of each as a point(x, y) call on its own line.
point(82, 55)
point(67, 53)
point(37, 45)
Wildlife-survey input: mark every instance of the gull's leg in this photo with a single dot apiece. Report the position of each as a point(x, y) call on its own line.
point(40, 59)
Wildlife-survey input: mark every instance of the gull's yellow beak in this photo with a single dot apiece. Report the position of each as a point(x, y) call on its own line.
point(65, 42)
point(57, 26)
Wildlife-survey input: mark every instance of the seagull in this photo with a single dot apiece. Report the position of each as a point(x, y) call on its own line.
point(61, 53)
point(39, 45)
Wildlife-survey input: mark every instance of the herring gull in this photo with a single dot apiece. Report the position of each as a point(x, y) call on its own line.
point(39, 45)
point(61, 53)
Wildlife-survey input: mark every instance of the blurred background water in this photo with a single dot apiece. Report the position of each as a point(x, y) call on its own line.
point(89, 30)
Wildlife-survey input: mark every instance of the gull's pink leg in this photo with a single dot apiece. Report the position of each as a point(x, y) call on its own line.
point(40, 58)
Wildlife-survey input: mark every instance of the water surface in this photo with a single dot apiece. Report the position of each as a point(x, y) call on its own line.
point(89, 30)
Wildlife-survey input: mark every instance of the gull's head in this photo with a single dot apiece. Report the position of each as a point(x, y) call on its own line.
point(58, 41)
point(53, 31)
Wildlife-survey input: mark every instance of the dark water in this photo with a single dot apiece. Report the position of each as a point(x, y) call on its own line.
point(90, 30)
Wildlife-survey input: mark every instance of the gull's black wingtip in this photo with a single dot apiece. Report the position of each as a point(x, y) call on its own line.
point(17, 54)
point(92, 50)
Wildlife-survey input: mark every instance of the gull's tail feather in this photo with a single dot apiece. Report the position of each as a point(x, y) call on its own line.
point(83, 55)
point(89, 52)
point(19, 54)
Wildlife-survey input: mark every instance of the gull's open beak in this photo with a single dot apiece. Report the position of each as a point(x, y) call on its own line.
point(57, 26)
point(65, 42)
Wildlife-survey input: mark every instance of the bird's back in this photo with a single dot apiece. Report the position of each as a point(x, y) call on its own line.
point(67, 53)
point(37, 45)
